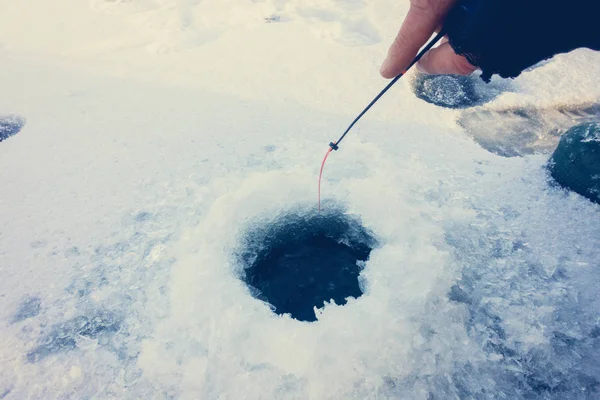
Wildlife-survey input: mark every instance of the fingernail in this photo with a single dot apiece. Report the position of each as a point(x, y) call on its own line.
point(419, 65)
point(385, 67)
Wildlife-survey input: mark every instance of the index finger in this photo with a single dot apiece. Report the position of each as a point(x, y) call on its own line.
point(423, 17)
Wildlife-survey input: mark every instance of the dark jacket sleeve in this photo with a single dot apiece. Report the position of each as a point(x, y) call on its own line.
point(505, 37)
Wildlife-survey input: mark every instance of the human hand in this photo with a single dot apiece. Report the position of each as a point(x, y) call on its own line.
point(423, 19)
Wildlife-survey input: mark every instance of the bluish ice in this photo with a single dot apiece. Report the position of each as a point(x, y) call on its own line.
point(125, 206)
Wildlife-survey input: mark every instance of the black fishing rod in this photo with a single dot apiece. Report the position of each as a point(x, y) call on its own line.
point(335, 145)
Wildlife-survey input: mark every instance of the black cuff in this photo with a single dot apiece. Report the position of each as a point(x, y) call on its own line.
point(505, 37)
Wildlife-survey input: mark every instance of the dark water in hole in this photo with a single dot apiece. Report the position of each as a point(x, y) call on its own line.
point(300, 261)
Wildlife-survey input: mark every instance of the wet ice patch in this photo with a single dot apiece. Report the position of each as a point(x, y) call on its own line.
point(62, 337)
point(301, 261)
point(10, 125)
point(521, 131)
point(29, 308)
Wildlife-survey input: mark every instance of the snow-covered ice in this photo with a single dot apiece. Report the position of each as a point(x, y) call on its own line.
point(157, 133)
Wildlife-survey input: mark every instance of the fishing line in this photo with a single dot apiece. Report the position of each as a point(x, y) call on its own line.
point(335, 145)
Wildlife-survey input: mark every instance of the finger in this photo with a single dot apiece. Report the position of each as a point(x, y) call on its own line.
point(418, 26)
point(443, 60)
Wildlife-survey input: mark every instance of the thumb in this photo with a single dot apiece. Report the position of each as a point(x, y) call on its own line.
point(443, 60)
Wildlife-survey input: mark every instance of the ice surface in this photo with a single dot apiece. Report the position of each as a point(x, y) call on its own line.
point(159, 132)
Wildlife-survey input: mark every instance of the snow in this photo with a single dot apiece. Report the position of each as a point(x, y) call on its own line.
point(158, 132)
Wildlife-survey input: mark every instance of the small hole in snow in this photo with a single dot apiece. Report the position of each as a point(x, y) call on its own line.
point(301, 260)
point(10, 125)
point(454, 91)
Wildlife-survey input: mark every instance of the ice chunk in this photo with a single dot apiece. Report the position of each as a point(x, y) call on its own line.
point(575, 164)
